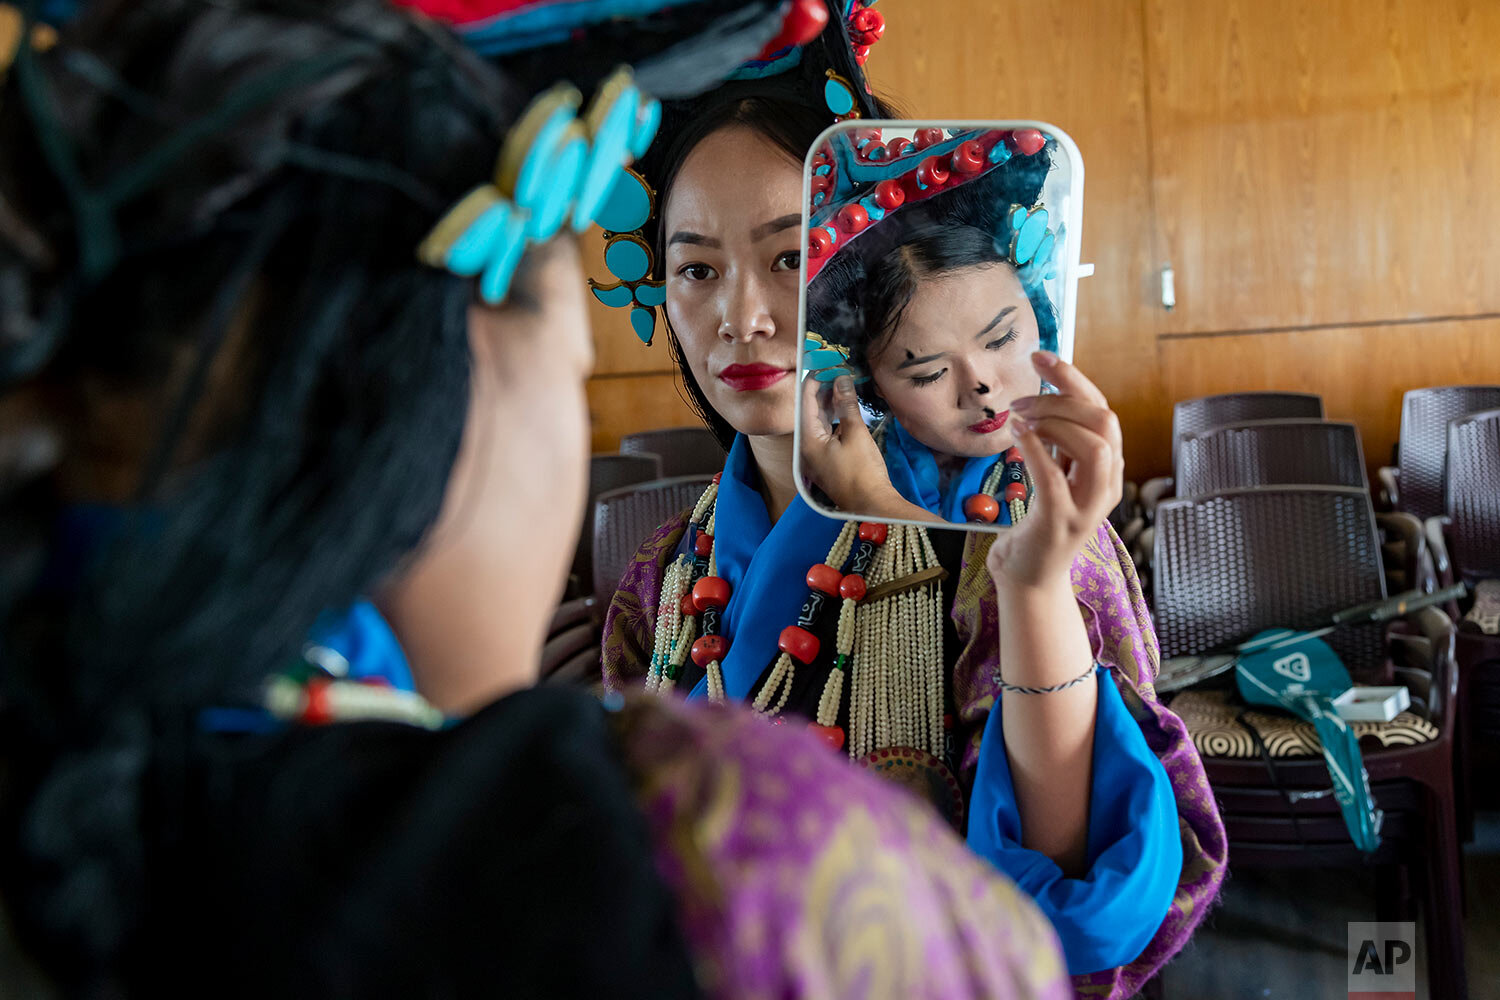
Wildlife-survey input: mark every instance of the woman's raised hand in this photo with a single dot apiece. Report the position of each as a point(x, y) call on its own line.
point(1075, 491)
point(843, 458)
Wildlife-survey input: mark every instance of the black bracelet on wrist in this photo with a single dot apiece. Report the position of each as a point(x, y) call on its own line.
point(1021, 689)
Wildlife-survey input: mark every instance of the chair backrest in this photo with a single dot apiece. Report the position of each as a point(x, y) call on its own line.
point(1473, 493)
point(1425, 414)
point(1191, 415)
point(1230, 564)
point(606, 472)
point(626, 517)
point(1286, 452)
point(684, 451)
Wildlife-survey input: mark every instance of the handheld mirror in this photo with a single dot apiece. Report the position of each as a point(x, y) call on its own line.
point(939, 256)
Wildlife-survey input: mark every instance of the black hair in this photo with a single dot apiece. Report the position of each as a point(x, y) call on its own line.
point(304, 382)
point(858, 298)
point(789, 111)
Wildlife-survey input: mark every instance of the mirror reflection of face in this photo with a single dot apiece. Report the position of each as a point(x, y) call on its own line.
point(732, 221)
point(960, 352)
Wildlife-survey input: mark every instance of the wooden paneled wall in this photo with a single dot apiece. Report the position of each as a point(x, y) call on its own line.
point(1079, 66)
point(1323, 179)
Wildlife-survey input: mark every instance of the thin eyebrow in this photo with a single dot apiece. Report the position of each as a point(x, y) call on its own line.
point(765, 229)
point(697, 239)
point(913, 362)
point(999, 318)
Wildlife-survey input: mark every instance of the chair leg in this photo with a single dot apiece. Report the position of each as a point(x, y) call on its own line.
point(1447, 974)
point(1393, 893)
point(1463, 786)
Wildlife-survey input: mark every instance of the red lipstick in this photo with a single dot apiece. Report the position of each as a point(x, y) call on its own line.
point(749, 378)
point(991, 425)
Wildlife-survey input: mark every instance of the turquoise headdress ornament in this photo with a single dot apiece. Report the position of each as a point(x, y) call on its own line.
point(824, 361)
point(554, 167)
point(632, 201)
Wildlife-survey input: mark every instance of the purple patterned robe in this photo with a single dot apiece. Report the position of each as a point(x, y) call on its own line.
point(1120, 631)
point(798, 876)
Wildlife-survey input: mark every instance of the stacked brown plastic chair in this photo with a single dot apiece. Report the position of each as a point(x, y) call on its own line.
point(684, 451)
point(606, 472)
point(1193, 415)
point(625, 518)
point(1415, 485)
point(1466, 547)
point(571, 654)
point(1233, 563)
point(1299, 452)
point(1472, 495)
point(1283, 452)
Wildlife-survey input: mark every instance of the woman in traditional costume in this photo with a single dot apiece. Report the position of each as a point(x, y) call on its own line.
point(1008, 678)
point(281, 283)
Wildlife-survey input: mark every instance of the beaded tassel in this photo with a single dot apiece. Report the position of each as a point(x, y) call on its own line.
point(833, 689)
point(675, 585)
point(896, 697)
point(779, 679)
point(678, 655)
point(1020, 508)
point(785, 668)
point(669, 616)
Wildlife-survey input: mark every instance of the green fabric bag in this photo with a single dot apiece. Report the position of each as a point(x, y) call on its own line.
point(1301, 674)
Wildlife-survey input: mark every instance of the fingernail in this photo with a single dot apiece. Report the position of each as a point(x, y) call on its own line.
point(844, 384)
point(1045, 358)
point(1023, 405)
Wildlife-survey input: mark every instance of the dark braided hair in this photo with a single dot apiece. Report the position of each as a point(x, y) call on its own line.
point(252, 311)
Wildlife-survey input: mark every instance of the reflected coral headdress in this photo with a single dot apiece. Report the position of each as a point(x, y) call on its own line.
point(857, 184)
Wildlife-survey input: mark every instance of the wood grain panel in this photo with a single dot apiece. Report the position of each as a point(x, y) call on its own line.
point(10, 34)
point(1080, 67)
point(1361, 372)
point(1325, 163)
point(624, 405)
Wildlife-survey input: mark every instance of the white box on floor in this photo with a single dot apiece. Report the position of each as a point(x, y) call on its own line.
point(1372, 704)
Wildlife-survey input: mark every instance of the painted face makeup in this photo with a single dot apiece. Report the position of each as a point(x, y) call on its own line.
point(960, 352)
point(732, 220)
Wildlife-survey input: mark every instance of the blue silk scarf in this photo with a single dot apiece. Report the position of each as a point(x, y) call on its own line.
point(764, 565)
point(1106, 918)
point(915, 475)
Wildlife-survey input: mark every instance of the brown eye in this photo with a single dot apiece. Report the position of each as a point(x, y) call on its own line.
point(696, 272)
point(789, 261)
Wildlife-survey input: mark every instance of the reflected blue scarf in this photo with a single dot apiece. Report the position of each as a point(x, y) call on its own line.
point(914, 472)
